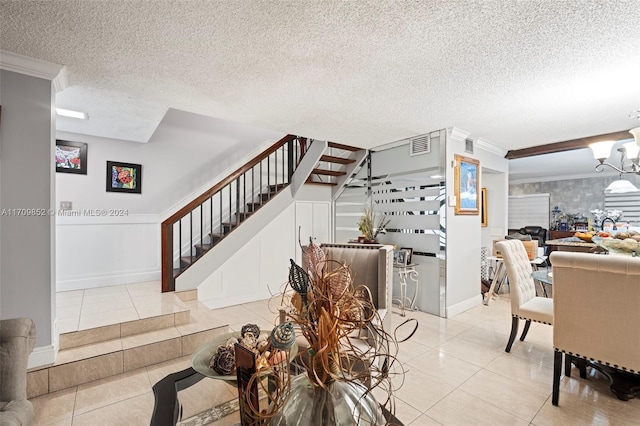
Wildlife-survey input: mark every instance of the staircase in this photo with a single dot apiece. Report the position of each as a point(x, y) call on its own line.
point(193, 231)
point(331, 165)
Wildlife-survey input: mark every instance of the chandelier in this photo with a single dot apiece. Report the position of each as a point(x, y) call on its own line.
point(630, 150)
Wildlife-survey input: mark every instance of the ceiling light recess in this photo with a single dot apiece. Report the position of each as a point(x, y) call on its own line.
point(72, 114)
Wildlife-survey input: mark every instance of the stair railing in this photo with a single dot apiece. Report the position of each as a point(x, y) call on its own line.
point(194, 229)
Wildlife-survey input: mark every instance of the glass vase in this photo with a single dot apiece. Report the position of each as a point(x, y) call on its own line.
point(340, 404)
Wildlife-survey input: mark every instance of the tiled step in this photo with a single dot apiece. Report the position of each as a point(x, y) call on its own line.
point(97, 361)
point(95, 354)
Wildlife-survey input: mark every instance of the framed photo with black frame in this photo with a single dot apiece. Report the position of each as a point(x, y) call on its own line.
point(124, 177)
point(71, 157)
point(408, 254)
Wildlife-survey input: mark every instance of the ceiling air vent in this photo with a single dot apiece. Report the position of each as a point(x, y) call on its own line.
point(420, 145)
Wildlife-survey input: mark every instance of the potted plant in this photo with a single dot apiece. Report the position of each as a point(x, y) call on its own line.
point(368, 228)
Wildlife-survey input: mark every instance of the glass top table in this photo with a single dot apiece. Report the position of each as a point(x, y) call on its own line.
point(176, 404)
point(543, 275)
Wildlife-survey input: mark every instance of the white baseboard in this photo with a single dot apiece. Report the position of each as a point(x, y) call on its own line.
point(465, 305)
point(42, 355)
point(109, 280)
point(235, 300)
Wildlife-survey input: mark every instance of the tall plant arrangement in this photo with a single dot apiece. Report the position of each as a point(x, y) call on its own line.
point(367, 224)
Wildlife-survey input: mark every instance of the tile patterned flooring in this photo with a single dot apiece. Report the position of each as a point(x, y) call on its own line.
point(457, 373)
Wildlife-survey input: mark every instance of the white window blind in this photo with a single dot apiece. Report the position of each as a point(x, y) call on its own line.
point(628, 202)
point(528, 210)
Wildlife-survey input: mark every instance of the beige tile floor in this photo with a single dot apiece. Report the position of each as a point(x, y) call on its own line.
point(457, 373)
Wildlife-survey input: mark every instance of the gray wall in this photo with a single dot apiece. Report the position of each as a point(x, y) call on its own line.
point(26, 182)
point(572, 195)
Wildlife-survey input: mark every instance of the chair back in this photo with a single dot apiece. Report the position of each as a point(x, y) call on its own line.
point(597, 307)
point(516, 260)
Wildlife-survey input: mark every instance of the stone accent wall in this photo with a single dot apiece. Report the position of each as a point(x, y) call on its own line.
point(572, 195)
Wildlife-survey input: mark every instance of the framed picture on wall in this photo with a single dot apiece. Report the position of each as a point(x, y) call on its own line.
point(71, 157)
point(483, 207)
point(124, 177)
point(466, 185)
point(408, 254)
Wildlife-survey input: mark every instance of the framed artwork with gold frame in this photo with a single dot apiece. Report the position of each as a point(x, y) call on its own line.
point(483, 212)
point(466, 185)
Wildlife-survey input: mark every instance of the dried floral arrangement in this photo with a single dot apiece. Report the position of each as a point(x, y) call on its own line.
point(367, 224)
point(334, 318)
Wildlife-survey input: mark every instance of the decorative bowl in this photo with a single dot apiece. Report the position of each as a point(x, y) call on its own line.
point(584, 236)
point(627, 247)
point(200, 359)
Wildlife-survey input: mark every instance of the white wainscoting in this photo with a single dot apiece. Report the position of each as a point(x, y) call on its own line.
point(98, 251)
point(257, 270)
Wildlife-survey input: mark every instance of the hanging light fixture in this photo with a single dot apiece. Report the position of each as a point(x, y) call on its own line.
point(631, 150)
point(636, 135)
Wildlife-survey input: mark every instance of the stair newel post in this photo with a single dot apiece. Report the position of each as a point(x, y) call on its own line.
point(290, 159)
point(168, 281)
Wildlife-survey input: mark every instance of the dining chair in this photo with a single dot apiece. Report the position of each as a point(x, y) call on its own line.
point(524, 302)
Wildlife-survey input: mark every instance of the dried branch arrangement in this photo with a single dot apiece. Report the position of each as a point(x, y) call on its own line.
point(345, 351)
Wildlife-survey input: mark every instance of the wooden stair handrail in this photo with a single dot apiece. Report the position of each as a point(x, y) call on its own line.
point(226, 181)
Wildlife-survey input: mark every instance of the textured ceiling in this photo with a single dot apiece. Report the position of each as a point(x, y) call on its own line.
point(515, 73)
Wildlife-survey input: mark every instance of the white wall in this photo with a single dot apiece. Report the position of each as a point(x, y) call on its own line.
point(27, 256)
point(260, 267)
point(464, 231)
point(103, 251)
point(186, 155)
point(496, 184)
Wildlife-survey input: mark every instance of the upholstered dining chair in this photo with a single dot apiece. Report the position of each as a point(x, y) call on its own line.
point(524, 302)
point(596, 317)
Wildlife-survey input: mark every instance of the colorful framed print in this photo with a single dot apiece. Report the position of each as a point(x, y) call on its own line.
point(124, 177)
point(466, 185)
point(71, 157)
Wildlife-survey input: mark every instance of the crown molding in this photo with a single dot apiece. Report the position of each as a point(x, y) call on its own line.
point(489, 147)
point(457, 134)
point(35, 68)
